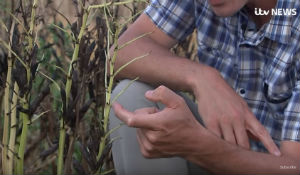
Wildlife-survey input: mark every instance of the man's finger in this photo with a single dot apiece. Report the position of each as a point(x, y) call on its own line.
point(258, 130)
point(141, 142)
point(241, 136)
point(228, 133)
point(251, 136)
point(147, 149)
point(149, 110)
point(164, 95)
point(135, 120)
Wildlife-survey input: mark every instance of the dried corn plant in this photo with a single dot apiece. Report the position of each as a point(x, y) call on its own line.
point(54, 88)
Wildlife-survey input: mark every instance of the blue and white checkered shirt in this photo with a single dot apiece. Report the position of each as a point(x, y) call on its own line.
point(262, 65)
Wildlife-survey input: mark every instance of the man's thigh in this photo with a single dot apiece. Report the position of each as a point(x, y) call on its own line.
point(126, 153)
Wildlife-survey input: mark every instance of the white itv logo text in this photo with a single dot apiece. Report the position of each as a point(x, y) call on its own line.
point(275, 12)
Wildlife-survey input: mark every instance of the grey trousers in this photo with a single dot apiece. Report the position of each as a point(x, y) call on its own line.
point(127, 157)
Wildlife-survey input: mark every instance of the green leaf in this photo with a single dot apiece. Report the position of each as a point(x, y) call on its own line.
point(35, 117)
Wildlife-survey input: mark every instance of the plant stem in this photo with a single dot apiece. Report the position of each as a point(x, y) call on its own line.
point(17, 146)
point(25, 122)
point(112, 3)
point(62, 133)
point(62, 137)
point(25, 100)
point(13, 129)
point(6, 117)
point(109, 87)
point(23, 139)
point(7, 104)
point(107, 105)
point(31, 27)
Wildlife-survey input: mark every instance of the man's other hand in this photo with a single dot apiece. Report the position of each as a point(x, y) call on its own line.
point(226, 114)
point(165, 133)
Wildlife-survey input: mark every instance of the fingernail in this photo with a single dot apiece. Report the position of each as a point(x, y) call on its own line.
point(277, 153)
point(150, 92)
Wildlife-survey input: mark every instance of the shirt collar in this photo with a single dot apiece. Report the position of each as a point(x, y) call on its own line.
point(280, 27)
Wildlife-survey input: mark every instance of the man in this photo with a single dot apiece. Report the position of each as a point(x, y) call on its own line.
point(247, 87)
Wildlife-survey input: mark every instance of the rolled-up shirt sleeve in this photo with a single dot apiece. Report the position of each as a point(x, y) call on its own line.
point(174, 17)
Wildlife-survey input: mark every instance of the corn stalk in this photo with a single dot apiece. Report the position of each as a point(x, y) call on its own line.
point(13, 129)
point(68, 86)
point(6, 117)
point(62, 132)
point(109, 86)
point(107, 105)
point(25, 99)
point(7, 111)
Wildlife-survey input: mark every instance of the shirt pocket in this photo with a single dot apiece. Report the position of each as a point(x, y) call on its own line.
point(278, 90)
point(277, 100)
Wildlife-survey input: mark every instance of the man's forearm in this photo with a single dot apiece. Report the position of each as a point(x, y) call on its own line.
point(222, 157)
point(159, 67)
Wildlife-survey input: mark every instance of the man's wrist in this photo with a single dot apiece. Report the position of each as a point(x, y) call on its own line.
point(192, 145)
point(200, 144)
point(207, 148)
point(198, 77)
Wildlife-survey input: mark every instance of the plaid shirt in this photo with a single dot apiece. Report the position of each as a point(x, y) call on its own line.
point(261, 65)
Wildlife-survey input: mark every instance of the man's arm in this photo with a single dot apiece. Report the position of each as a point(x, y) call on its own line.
point(224, 112)
point(160, 66)
point(173, 131)
point(226, 158)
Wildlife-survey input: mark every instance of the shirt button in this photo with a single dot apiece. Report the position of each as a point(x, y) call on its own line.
point(242, 91)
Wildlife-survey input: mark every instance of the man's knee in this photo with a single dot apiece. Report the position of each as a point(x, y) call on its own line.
point(131, 93)
point(120, 86)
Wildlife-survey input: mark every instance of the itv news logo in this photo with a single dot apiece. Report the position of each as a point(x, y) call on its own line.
point(276, 12)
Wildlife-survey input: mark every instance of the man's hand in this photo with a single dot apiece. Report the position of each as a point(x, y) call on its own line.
point(227, 115)
point(163, 133)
